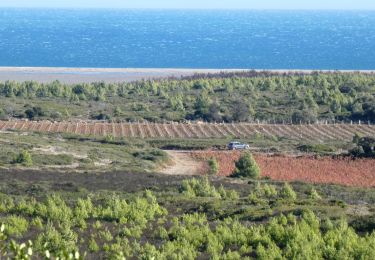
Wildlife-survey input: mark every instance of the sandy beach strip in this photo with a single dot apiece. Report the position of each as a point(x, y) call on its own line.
point(112, 75)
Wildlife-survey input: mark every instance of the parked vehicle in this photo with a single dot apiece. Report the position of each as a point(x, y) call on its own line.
point(238, 146)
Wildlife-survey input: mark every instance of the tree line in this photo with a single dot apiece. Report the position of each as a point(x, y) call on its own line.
point(224, 97)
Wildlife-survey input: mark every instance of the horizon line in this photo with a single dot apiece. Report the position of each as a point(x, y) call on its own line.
point(184, 8)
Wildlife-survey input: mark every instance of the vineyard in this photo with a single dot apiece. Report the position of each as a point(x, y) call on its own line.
point(344, 171)
point(313, 132)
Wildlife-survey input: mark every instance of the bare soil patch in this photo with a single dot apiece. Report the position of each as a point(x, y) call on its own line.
point(182, 163)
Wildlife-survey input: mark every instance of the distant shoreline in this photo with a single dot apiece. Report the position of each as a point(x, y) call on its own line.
point(85, 75)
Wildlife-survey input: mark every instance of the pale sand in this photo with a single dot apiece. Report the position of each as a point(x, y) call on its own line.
point(81, 75)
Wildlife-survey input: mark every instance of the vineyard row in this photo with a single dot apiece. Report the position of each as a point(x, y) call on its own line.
point(314, 132)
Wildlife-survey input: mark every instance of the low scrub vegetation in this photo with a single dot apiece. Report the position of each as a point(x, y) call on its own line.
point(137, 226)
point(23, 158)
point(364, 147)
point(316, 148)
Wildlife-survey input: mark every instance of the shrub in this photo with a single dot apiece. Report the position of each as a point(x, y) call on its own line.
point(314, 195)
point(253, 198)
point(199, 188)
point(316, 148)
point(246, 166)
point(97, 225)
point(228, 194)
point(15, 225)
point(2, 114)
point(161, 233)
point(365, 147)
point(109, 138)
point(56, 242)
point(214, 166)
point(154, 155)
point(24, 158)
point(101, 116)
point(288, 193)
point(93, 246)
point(266, 190)
point(37, 222)
point(269, 191)
point(31, 113)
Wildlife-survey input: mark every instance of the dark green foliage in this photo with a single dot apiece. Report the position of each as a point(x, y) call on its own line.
point(34, 112)
point(2, 114)
point(365, 147)
point(101, 116)
point(247, 167)
point(232, 97)
point(304, 116)
point(154, 155)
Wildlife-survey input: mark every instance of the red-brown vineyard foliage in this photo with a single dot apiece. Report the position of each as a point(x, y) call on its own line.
point(343, 170)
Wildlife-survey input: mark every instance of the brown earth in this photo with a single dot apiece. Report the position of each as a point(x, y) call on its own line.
point(182, 163)
point(311, 169)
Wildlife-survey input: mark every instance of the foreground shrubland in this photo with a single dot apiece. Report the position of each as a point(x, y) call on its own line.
point(138, 226)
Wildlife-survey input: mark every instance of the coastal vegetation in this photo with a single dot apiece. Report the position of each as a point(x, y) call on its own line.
point(228, 97)
point(188, 218)
point(75, 189)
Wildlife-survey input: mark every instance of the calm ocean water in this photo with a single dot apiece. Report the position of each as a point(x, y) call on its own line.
point(188, 39)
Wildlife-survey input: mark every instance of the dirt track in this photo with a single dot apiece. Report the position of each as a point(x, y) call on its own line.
point(182, 164)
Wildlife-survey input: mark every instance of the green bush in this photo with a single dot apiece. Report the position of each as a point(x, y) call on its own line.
point(213, 166)
point(266, 190)
point(37, 222)
point(154, 155)
point(228, 194)
point(106, 235)
point(178, 236)
point(93, 246)
point(15, 225)
point(316, 148)
point(365, 147)
point(288, 193)
point(199, 188)
point(55, 241)
point(246, 166)
point(24, 158)
point(202, 188)
point(314, 195)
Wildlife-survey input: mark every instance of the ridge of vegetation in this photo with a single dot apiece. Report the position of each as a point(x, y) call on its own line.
point(237, 97)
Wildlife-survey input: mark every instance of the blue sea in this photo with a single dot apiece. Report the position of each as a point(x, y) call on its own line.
point(188, 39)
